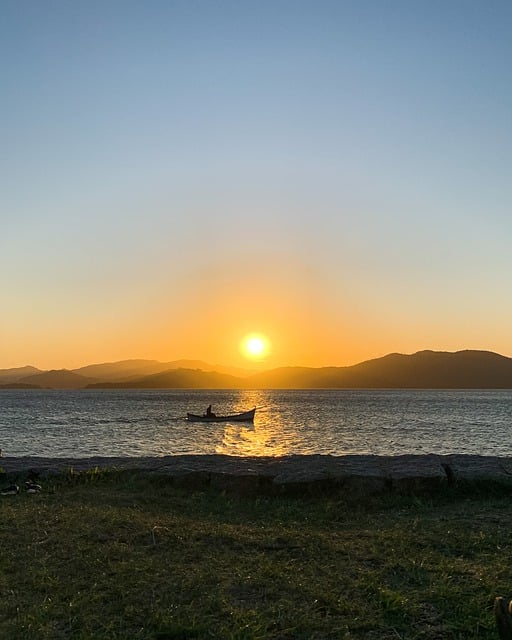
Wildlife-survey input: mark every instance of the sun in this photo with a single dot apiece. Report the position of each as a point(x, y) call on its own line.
point(255, 346)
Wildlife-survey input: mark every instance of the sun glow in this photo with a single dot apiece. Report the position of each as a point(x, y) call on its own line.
point(255, 346)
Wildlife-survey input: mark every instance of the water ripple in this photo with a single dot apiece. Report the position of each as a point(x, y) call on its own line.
point(151, 423)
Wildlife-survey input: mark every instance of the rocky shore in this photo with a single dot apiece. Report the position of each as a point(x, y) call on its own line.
point(356, 475)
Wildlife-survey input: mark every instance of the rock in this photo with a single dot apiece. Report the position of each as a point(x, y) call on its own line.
point(472, 467)
point(414, 474)
point(502, 614)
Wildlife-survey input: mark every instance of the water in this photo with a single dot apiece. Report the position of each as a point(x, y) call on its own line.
point(151, 422)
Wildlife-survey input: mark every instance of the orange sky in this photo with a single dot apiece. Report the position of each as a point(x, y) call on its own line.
point(176, 175)
point(209, 310)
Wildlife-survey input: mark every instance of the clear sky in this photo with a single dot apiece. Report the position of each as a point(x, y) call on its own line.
point(176, 174)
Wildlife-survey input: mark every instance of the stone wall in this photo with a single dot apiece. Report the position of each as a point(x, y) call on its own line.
point(353, 475)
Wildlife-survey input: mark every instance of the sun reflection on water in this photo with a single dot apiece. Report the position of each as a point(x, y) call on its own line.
point(263, 438)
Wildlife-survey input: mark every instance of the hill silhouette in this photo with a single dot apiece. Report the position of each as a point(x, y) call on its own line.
point(468, 369)
point(422, 370)
point(176, 379)
point(123, 370)
point(8, 376)
point(131, 369)
point(58, 379)
point(433, 369)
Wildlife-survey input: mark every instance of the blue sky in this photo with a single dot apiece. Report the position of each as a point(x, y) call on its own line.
point(333, 174)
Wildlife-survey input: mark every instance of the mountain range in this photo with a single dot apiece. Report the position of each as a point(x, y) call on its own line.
point(468, 369)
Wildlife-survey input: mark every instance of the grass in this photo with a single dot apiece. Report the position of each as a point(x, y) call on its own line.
point(127, 556)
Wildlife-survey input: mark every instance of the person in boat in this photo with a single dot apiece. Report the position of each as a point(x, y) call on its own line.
point(209, 412)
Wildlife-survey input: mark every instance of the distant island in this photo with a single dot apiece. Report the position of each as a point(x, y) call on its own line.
point(470, 369)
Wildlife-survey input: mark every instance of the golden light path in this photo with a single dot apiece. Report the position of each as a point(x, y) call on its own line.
point(268, 436)
point(257, 440)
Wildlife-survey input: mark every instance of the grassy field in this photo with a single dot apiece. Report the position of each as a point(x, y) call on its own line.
point(121, 555)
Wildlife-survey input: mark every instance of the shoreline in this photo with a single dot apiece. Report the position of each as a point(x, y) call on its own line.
point(298, 474)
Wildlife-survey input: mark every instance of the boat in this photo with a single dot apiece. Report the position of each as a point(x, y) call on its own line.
point(246, 416)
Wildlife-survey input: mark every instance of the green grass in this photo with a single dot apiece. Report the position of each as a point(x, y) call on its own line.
point(128, 556)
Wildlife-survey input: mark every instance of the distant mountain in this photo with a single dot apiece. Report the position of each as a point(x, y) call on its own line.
point(176, 379)
point(205, 366)
point(438, 370)
point(123, 370)
point(126, 370)
point(300, 378)
point(14, 375)
point(58, 379)
point(422, 370)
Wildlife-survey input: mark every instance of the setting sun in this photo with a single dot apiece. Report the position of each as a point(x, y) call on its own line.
point(255, 346)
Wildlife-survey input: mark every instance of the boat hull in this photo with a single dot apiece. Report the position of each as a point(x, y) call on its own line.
point(246, 416)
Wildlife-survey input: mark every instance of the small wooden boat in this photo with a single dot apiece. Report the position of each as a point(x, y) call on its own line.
point(246, 416)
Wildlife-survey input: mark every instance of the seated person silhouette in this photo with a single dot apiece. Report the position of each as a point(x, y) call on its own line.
point(209, 412)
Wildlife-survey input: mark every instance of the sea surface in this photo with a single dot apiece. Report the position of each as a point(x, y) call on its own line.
point(152, 422)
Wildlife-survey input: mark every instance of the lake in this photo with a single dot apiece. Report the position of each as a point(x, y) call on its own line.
point(83, 423)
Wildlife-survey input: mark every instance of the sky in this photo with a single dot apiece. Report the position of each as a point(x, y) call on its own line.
point(332, 175)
